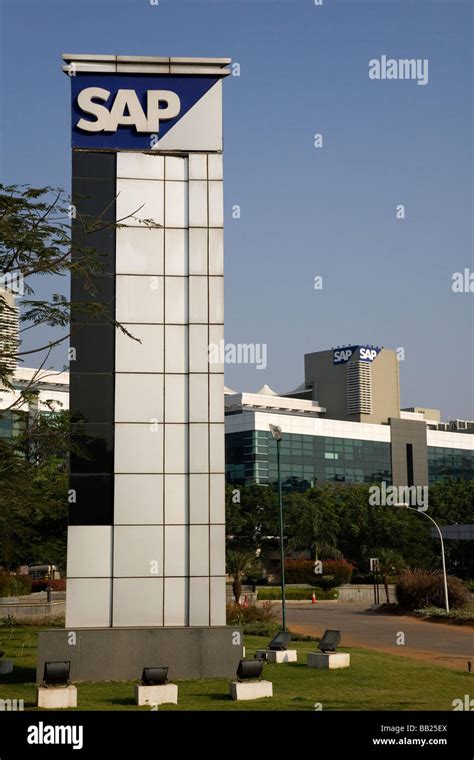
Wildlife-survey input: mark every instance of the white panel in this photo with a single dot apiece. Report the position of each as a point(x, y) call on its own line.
point(176, 499)
point(198, 166)
point(176, 398)
point(198, 348)
point(139, 299)
point(176, 252)
point(216, 251)
point(176, 300)
point(218, 601)
point(140, 201)
point(139, 166)
point(176, 344)
point(138, 448)
point(198, 302)
point(216, 204)
point(88, 603)
point(138, 602)
point(176, 204)
point(176, 550)
point(217, 448)
point(214, 163)
point(199, 602)
point(198, 250)
point(198, 398)
point(198, 448)
point(138, 500)
point(216, 299)
point(139, 250)
point(197, 203)
point(176, 168)
point(146, 356)
point(199, 498)
point(216, 398)
point(217, 537)
point(176, 448)
point(175, 601)
point(199, 550)
point(138, 398)
point(216, 339)
point(138, 551)
point(89, 551)
point(217, 498)
point(200, 128)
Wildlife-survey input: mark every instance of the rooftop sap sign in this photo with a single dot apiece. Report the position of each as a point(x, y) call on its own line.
point(125, 112)
point(366, 354)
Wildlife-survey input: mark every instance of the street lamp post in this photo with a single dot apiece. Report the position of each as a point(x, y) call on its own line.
point(277, 435)
point(445, 577)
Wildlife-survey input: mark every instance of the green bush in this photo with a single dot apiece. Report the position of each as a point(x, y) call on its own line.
point(335, 572)
point(418, 589)
point(296, 594)
point(240, 615)
point(14, 585)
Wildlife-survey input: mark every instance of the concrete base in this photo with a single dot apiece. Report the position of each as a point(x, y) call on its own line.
point(329, 661)
point(243, 690)
point(162, 694)
point(56, 697)
point(277, 657)
point(120, 654)
point(6, 666)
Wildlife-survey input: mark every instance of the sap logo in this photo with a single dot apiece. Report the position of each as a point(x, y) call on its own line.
point(342, 356)
point(126, 110)
point(368, 354)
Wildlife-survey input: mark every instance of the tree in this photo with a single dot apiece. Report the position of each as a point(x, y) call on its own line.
point(390, 563)
point(239, 564)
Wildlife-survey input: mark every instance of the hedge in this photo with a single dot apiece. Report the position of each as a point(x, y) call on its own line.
point(296, 594)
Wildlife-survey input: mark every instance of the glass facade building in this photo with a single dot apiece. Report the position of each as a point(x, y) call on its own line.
point(450, 463)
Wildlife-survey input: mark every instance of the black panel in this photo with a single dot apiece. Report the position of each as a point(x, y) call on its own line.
point(93, 165)
point(100, 289)
point(92, 397)
point(95, 348)
point(94, 500)
point(95, 442)
point(92, 372)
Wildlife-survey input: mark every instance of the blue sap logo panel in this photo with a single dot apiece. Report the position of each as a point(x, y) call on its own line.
point(128, 112)
point(366, 354)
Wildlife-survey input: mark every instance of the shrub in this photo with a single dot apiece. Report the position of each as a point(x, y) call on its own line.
point(335, 572)
point(296, 594)
point(57, 584)
point(14, 585)
point(417, 589)
point(264, 613)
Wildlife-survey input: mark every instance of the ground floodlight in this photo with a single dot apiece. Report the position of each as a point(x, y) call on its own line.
point(56, 673)
point(249, 669)
point(329, 641)
point(280, 642)
point(155, 676)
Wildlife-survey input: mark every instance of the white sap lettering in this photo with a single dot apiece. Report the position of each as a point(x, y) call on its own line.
point(127, 110)
point(157, 114)
point(86, 104)
point(127, 99)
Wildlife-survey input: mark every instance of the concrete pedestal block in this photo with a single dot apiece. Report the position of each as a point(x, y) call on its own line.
point(161, 694)
point(286, 655)
point(55, 697)
point(242, 690)
point(6, 666)
point(328, 661)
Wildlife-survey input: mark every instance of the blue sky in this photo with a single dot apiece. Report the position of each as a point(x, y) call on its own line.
point(304, 211)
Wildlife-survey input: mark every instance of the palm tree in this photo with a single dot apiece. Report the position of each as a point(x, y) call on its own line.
point(239, 564)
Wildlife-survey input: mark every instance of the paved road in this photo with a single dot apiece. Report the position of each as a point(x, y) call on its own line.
point(444, 644)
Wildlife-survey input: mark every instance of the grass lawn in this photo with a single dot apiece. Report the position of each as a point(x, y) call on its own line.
point(375, 681)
